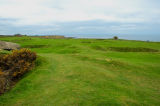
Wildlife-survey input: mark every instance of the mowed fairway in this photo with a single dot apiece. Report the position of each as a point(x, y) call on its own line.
point(88, 72)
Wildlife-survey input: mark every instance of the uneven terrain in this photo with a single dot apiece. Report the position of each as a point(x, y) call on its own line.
point(88, 72)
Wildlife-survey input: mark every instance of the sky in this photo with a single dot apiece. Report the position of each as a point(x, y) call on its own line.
point(81, 17)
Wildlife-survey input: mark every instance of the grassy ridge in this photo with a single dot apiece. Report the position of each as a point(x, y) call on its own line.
point(87, 72)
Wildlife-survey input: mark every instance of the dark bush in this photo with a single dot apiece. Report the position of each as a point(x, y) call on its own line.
point(4, 81)
point(14, 65)
point(115, 38)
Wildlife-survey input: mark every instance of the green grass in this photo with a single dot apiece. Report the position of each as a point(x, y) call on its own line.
point(86, 72)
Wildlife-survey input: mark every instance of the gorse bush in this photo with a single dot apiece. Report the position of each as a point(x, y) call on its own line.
point(18, 62)
point(1, 73)
point(14, 65)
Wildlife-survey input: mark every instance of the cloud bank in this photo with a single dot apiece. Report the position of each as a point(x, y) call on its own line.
point(57, 16)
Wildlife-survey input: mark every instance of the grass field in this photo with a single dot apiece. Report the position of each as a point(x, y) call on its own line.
point(88, 72)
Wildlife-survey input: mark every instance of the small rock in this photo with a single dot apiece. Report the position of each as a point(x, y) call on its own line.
point(9, 46)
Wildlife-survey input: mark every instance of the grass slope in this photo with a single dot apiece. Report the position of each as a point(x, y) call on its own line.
point(86, 72)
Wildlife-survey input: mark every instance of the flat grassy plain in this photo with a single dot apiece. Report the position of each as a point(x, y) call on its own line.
point(88, 72)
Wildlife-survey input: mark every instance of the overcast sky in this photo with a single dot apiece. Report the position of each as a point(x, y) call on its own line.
point(80, 17)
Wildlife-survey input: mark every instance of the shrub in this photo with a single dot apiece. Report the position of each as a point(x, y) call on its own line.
point(115, 38)
point(1, 73)
point(4, 81)
point(14, 65)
